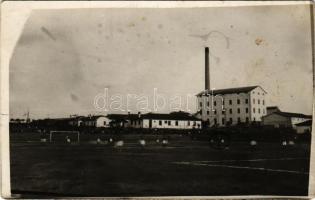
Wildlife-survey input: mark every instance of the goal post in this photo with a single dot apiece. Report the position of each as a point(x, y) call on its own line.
point(65, 134)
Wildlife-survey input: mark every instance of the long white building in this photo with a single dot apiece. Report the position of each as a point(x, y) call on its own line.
point(173, 120)
point(232, 106)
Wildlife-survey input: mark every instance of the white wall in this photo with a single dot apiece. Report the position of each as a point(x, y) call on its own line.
point(209, 115)
point(258, 103)
point(296, 120)
point(102, 122)
point(182, 124)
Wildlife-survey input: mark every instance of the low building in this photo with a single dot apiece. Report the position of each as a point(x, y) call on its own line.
point(272, 109)
point(117, 120)
point(95, 121)
point(304, 127)
point(173, 120)
point(285, 119)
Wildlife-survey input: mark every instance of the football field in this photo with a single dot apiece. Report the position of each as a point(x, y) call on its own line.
point(183, 167)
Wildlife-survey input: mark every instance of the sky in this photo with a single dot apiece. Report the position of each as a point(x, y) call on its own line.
point(64, 59)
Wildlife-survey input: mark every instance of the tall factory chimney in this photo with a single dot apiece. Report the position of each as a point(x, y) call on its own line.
point(207, 70)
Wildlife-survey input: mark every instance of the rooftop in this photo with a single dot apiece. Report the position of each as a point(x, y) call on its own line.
point(229, 90)
point(306, 123)
point(180, 115)
point(289, 114)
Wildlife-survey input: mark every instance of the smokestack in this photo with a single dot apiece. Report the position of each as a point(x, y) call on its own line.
point(207, 70)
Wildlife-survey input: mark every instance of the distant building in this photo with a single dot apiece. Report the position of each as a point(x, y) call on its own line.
point(232, 106)
point(117, 120)
point(95, 121)
point(272, 109)
point(304, 127)
point(285, 119)
point(173, 120)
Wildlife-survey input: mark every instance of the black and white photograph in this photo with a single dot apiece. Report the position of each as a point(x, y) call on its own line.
point(160, 101)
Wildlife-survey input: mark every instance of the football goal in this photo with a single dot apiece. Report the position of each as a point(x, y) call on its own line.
point(64, 136)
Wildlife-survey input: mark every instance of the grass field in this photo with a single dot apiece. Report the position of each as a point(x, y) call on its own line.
point(183, 168)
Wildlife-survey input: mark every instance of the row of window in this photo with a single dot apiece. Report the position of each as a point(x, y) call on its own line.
point(231, 120)
point(238, 111)
point(169, 123)
point(238, 101)
point(137, 122)
point(258, 93)
point(258, 101)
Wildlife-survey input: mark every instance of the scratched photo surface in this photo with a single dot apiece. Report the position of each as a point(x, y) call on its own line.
point(162, 102)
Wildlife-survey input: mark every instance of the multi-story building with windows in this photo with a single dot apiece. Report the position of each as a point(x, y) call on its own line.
point(232, 106)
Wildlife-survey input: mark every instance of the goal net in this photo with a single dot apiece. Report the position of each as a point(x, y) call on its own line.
point(64, 136)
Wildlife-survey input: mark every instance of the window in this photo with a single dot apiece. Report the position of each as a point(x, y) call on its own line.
point(104, 122)
point(258, 110)
point(222, 102)
point(215, 121)
point(176, 123)
point(238, 101)
point(160, 122)
point(263, 102)
point(223, 111)
point(208, 112)
point(238, 110)
point(223, 121)
point(230, 102)
point(208, 103)
point(200, 112)
point(195, 123)
point(258, 101)
point(254, 110)
point(165, 122)
point(253, 101)
point(246, 110)
point(246, 101)
point(231, 111)
point(188, 123)
point(239, 120)
point(214, 103)
point(215, 111)
point(247, 120)
point(254, 119)
point(231, 120)
point(263, 111)
point(200, 104)
point(169, 123)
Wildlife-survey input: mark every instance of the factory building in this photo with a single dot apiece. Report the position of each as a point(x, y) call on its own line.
point(232, 106)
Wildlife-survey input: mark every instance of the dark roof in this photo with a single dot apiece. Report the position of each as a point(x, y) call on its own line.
point(118, 117)
point(306, 123)
point(272, 107)
point(91, 118)
point(288, 114)
point(180, 115)
point(229, 90)
point(171, 116)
